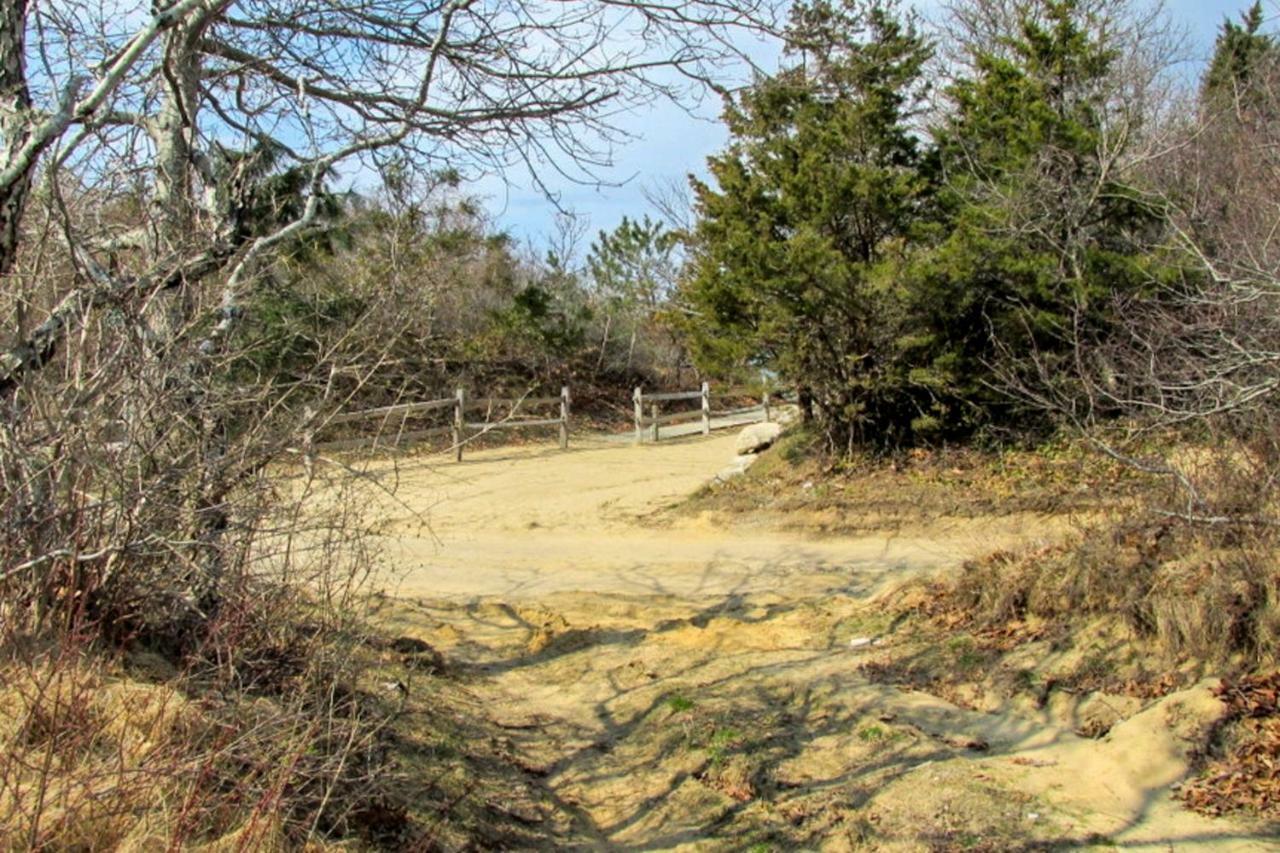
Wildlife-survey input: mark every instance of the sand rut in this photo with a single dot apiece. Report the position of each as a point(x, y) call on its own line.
point(672, 683)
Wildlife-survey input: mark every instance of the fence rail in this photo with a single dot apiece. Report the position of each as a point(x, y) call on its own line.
point(458, 427)
point(674, 395)
point(488, 425)
point(384, 439)
point(394, 422)
point(742, 410)
point(387, 411)
point(655, 419)
point(483, 402)
point(677, 417)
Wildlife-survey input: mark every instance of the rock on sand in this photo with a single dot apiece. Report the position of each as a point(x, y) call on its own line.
point(757, 437)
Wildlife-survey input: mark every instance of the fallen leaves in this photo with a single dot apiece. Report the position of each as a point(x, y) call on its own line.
point(961, 741)
point(1247, 778)
point(1025, 761)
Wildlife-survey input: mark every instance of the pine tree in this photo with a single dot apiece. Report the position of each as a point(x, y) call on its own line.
point(1237, 55)
point(1043, 230)
point(814, 203)
point(633, 269)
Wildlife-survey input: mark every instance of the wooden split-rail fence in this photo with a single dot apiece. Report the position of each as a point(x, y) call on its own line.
point(393, 426)
point(392, 422)
point(655, 419)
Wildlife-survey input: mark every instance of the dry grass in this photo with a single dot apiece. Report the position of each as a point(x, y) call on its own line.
point(1196, 592)
point(797, 486)
point(1133, 600)
point(281, 732)
point(94, 761)
point(155, 702)
point(1197, 588)
point(1204, 591)
point(270, 748)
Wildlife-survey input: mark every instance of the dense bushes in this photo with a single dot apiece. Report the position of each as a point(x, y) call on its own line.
point(416, 293)
point(921, 285)
point(1194, 593)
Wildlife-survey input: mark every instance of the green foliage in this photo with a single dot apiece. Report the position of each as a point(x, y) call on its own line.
point(679, 704)
point(905, 286)
point(282, 333)
point(539, 316)
point(286, 329)
point(631, 271)
point(634, 264)
point(419, 295)
point(1239, 51)
point(723, 740)
point(262, 196)
point(1043, 233)
point(871, 733)
point(799, 245)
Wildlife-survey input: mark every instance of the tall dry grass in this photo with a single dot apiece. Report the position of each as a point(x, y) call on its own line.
point(259, 735)
point(1176, 585)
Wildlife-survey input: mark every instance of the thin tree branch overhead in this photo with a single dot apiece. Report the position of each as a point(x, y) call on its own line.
point(175, 111)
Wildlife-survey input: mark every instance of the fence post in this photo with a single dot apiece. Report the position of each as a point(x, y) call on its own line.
point(459, 404)
point(653, 410)
point(638, 398)
point(706, 408)
point(564, 417)
point(766, 406)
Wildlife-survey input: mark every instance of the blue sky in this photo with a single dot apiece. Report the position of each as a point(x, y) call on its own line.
point(668, 144)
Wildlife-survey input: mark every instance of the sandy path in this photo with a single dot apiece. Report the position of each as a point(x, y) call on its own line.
point(526, 522)
point(683, 685)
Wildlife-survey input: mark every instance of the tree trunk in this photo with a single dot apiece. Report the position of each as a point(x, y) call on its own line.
point(179, 222)
point(174, 202)
point(805, 397)
point(15, 127)
point(604, 343)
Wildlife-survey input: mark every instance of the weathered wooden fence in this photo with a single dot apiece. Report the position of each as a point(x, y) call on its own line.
point(393, 422)
point(704, 412)
point(406, 423)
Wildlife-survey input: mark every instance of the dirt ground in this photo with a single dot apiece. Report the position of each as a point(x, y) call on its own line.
point(675, 682)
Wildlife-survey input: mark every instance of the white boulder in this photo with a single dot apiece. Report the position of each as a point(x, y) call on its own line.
point(729, 473)
point(736, 468)
point(757, 437)
point(786, 414)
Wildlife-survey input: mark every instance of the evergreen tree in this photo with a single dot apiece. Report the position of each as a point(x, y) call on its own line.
point(633, 269)
point(911, 289)
point(1238, 52)
point(1043, 231)
point(634, 263)
point(814, 204)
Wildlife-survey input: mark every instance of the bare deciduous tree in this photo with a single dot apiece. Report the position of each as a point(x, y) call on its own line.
point(206, 91)
point(154, 164)
point(1199, 350)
